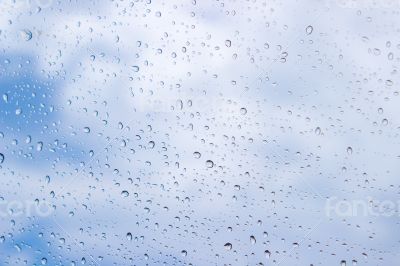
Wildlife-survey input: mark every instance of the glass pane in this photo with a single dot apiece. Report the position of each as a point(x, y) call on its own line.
point(199, 132)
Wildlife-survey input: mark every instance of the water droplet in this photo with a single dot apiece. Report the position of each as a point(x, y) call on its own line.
point(124, 193)
point(179, 104)
point(129, 236)
point(151, 144)
point(209, 164)
point(5, 97)
point(26, 35)
point(184, 253)
point(196, 155)
point(39, 146)
point(228, 246)
point(309, 29)
point(349, 150)
point(1, 158)
point(243, 111)
point(228, 43)
point(252, 240)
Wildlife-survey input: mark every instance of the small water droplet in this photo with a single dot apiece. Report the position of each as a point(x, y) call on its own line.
point(26, 34)
point(309, 29)
point(5, 97)
point(39, 146)
point(228, 246)
point(196, 155)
